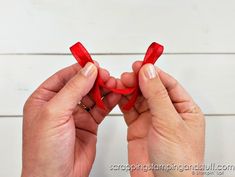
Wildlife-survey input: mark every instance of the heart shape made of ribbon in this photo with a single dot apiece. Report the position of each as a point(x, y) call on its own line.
point(82, 56)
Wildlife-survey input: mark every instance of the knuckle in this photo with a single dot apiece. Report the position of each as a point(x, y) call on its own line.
point(178, 124)
point(48, 111)
point(160, 94)
point(171, 130)
point(175, 124)
point(174, 84)
point(200, 113)
point(196, 109)
point(26, 106)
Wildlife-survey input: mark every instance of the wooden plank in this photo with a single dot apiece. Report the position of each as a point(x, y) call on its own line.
point(220, 140)
point(10, 147)
point(208, 78)
point(112, 147)
point(117, 26)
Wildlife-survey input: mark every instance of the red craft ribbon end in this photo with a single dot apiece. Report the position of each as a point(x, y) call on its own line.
point(132, 101)
point(81, 54)
point(154, 51)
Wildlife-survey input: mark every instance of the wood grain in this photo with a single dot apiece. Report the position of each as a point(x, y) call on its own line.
point(104, 26)
point(208, 78)
point(112, 146)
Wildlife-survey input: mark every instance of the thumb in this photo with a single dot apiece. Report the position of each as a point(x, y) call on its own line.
point(153, 90)
point(64, 103)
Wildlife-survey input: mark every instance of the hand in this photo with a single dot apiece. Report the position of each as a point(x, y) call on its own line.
point(59, 136)
point(165, 126)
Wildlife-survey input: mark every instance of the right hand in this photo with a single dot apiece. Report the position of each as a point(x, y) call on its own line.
point(165, 126)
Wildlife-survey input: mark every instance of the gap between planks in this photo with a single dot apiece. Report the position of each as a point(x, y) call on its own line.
point(117, 115)
point(170, 53)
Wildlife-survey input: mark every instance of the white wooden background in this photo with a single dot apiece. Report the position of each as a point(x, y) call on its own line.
point(199, 41)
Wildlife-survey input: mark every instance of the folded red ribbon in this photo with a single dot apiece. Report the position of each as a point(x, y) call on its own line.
point(82, 56)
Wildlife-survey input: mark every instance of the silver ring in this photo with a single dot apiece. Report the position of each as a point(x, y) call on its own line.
point(83, 106)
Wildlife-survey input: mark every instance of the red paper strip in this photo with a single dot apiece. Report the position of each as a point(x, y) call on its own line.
point(82, 56)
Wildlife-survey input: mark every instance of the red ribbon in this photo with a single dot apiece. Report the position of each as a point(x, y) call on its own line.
point(83, 57)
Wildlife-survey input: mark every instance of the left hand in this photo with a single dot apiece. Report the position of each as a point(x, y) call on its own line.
point(59, 136)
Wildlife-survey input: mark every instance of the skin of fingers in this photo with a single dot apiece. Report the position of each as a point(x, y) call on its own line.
point(88, 100)
point(180, 98)
point(183, 102)
point(64, 130)
point(49, 88)
point(53, 84)
point(134, 119)
point(89, 120)
point(136, 66)
point(138, 127)
point(129, 80)
point(62, 105)
point(169, 130)
point(178, 93)
point(49, 129)
point(186, 136)
point(130, 115)
point(110, 100)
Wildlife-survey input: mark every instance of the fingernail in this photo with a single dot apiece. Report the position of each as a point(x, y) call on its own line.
point(150, 71)
point(88, 70)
